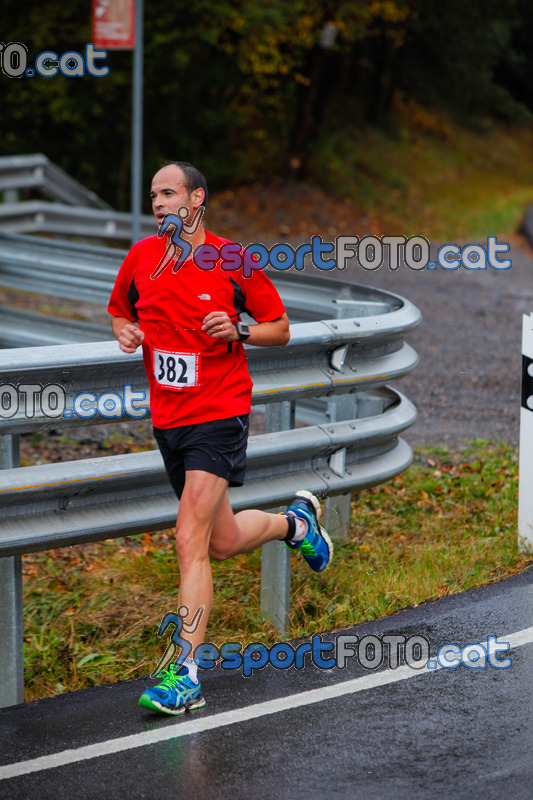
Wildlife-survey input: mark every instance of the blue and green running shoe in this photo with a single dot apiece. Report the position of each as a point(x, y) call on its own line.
point(316, 546)
point(175, 694)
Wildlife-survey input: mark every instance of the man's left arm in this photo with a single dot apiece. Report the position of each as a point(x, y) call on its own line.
point(264, 334)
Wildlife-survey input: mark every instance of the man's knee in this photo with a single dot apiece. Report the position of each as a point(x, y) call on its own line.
point(191, 544)
point(201, 497)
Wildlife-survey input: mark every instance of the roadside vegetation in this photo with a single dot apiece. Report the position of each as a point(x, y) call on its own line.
point(428, 175)
point(448, 524)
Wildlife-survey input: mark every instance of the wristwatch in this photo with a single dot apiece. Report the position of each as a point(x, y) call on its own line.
point(243, 330)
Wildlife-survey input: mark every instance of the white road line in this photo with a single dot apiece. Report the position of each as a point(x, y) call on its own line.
point(187, 727)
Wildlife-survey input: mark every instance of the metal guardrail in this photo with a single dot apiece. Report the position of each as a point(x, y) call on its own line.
point(75, 212)
point(81, 501)
point(38, 172)
point(322, 358)
point(27, 329)
point(38, 216)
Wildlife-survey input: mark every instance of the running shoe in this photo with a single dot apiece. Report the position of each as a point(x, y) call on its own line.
point(316, 546)
point(175, 694)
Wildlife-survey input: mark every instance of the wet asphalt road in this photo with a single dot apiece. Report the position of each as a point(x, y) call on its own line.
point(464, 733)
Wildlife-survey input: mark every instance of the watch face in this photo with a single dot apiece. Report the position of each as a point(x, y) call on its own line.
point(243, 331)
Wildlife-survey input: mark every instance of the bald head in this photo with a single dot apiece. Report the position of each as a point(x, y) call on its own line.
point(190, 175)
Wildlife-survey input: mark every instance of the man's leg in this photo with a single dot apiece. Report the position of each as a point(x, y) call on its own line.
point(298, 526)
point(206, 527)
point(179, 689)
point(244, 531)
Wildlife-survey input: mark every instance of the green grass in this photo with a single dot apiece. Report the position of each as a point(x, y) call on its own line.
point(430, 175)
point(448, 524)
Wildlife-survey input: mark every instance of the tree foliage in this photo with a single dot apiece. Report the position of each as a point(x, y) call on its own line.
point(241, 86)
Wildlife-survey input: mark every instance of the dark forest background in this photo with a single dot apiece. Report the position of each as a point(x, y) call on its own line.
point(254, 91)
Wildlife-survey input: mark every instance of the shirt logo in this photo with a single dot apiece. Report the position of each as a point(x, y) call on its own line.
point(204, 297)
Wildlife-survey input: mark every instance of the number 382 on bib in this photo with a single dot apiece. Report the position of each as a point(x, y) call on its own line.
point(175, 370)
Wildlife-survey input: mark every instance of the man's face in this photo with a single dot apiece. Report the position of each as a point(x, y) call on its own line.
point(168, 193)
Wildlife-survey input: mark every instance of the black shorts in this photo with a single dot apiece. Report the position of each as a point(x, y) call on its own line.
point(218, 447)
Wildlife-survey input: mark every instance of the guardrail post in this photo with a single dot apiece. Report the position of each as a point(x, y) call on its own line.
point(337, 510)
point(275, 557)
point(337, 516)
point(11, 196)
point(11, 644)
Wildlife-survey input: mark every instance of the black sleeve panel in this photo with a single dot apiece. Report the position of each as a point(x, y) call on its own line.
point(238, 298)
point(133, 297)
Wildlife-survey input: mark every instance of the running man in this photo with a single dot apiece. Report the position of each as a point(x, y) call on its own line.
point(188, 324)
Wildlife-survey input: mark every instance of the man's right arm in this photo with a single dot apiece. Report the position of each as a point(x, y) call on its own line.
point(128, 334)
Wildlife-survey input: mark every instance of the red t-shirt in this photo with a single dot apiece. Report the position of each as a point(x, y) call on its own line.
point(193, 377)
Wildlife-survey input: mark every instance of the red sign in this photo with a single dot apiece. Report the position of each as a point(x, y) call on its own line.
point(113, 24)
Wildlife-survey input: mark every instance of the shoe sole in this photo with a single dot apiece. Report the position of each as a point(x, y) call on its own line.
point(311, 497)
point(190, 705)
point(318, 511)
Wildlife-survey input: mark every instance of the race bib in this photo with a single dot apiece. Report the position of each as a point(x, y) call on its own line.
point(175, 370)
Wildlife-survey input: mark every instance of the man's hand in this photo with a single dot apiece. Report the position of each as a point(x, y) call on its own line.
point(265, 334)
point(130, 338)
point(128, 333)
point(218, 325)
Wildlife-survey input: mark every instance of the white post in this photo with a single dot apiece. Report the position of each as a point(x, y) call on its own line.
point(525, 484)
